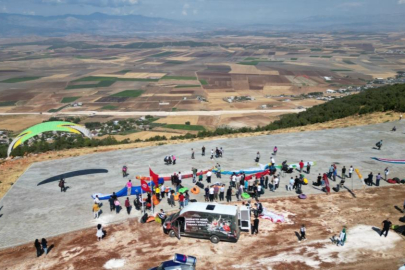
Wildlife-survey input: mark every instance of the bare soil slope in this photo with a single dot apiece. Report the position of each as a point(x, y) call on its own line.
point(275, 247)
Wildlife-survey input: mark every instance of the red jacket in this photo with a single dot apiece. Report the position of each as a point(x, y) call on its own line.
point(181, 198)
point(301, 165)
point(127, 203)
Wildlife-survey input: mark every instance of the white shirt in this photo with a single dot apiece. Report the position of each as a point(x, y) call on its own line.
point(351, 170)
point(209, 173)
point(212, 152)
point(259, 188)
point(233, 178)
point(211, 190)
point(291, 181)
point(272, 160)
point(179, 176)
point(276, 180)
point(97, 200)
point(162, 188)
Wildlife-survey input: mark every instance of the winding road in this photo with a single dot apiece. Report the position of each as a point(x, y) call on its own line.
point(159, 113)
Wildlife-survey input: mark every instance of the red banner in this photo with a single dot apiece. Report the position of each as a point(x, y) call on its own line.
point(154, 176)
point(145, 186)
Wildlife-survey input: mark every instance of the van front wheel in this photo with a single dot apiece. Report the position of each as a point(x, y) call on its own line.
point(214, 239)
point(172, 234)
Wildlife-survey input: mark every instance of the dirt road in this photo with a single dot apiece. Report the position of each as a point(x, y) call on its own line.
point(158, 113)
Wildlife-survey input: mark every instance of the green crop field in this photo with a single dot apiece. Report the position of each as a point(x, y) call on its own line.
point(293, 59)
point(340, 70)
point(347, 61)
point(128, 93)
point(114, 79)
point(185, 127)
point(203, 82)
point(185, 78)
point(316, 50)
point(326, 56)
point(187, 86)
point(58, 109)
point(173, 62)
point(162, 54)
point(7, 103)
point(124, 71)
point(109, 107)
point(69, 99)
point(99, 84)
point(20, 79)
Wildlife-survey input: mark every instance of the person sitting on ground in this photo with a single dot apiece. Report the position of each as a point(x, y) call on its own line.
point(162, 215)
point(100, 232)
point(379, 144)
point(394, 129)
point(318, 181)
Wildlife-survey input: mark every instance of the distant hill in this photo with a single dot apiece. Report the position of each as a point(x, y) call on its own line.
point(17, 25)
point(13, 25)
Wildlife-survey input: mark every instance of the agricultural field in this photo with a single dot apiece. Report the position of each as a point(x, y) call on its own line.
point(191, 74)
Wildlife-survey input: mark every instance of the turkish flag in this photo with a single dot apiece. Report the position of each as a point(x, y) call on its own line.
point(145, 186)
point(154, 176)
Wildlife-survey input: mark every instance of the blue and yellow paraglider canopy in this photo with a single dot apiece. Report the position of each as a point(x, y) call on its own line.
point(44, 127)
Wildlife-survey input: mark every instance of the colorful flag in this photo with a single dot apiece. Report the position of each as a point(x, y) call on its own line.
point(145, 186)
point(154, 177)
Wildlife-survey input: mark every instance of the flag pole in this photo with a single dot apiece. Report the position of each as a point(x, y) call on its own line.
point(151, 189)
point(142, 203)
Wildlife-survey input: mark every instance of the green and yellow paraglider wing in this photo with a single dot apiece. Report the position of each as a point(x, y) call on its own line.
point(45, 127)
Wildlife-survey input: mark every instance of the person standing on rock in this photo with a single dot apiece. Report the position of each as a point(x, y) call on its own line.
point(100, 232)
point(211, 192)
point(370, 179)
point(221, 192)
point(308, 167)
point(111, 201)
point(38, 247)
point(200, 177)
point(44, 245)
point(255, 227)
point(229, 194)
point(276, 182)
point(174, 159)
point(128, 205)
point(257, 157)
point(96, 209)
point(301, 164)
point(203, 151)
point(377, 179)
point(192, 153)
point(351, 170)
point(62, 185)
point(209, 174)
point(343, 172)
point(303, 230)
point(386, 172)
point(386, 227)
point(129, 188)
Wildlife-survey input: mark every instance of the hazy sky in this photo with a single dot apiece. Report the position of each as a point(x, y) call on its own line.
point(233, 11)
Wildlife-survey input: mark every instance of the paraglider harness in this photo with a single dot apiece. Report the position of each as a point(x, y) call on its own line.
point(167, 160)
point(285, 168)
